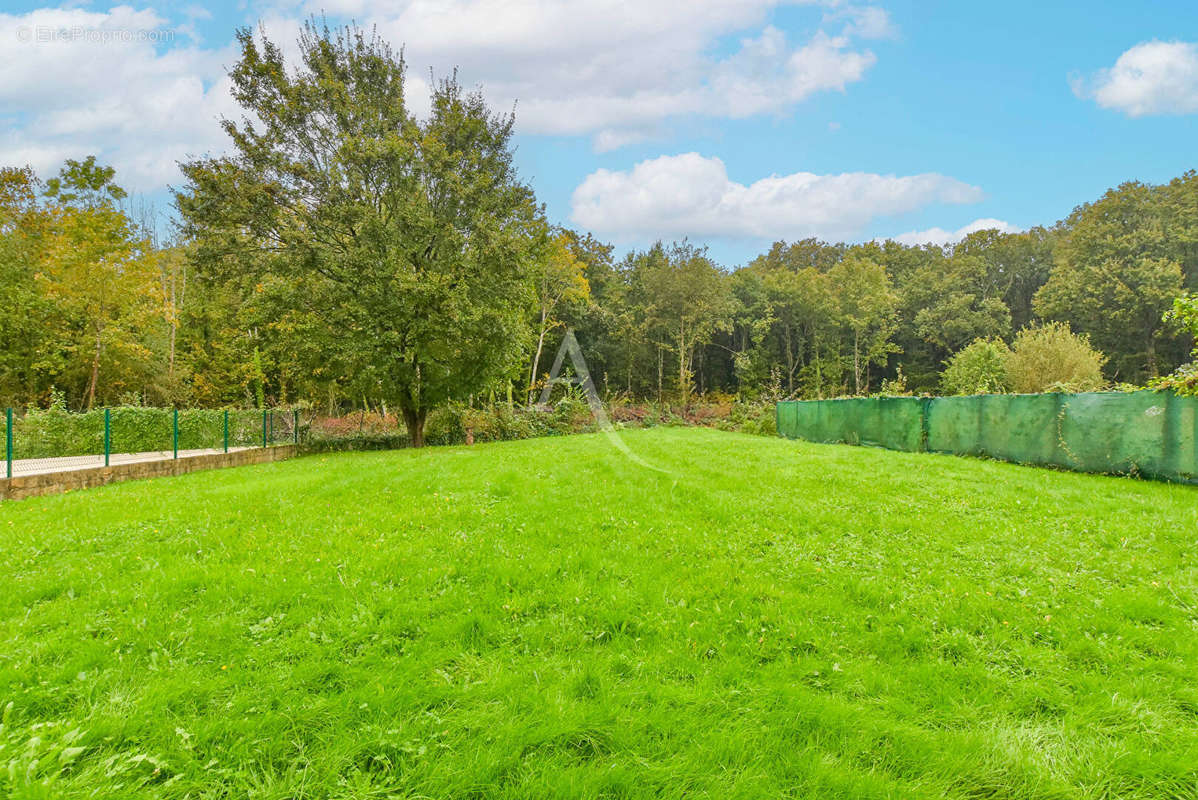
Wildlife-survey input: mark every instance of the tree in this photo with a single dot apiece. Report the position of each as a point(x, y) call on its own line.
point(1184, 314)
point(867, 307)
point(979, 368)
point(560, 280)
point(98, 272)
point(688, 301)
point(1115, 274)
point(85, 184)
point(26, 326)
point(911, 270)
point(1053, 358)
point(1016, 266)
point(412, 241)
point(786, 317)
point(961, 304)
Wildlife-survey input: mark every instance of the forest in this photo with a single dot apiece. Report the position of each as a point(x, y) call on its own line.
point(293, 274)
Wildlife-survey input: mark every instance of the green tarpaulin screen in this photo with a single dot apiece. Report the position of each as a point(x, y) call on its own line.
point(1154, 434)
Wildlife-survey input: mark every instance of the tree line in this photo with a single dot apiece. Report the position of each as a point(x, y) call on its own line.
point(347, 254)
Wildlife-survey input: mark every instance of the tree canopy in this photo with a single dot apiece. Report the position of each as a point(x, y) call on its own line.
point(347, 253)
point(412, 239)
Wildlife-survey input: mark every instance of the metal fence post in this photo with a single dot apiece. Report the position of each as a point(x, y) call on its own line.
point(8, 440)
point(107, 435)
point(226, 430)
point(295, 423)
point(264, 428)
point(175, 432)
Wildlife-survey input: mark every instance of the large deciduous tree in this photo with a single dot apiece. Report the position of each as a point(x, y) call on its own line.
point(410, 240)
point(1116, 272)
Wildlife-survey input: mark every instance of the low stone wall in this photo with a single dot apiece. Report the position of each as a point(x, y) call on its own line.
point(55, 482)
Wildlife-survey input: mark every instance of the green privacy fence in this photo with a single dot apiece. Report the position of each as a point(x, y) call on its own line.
point(40, 440)
point(1153, 434)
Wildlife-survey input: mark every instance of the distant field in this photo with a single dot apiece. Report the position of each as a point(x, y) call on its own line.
point(547, 618)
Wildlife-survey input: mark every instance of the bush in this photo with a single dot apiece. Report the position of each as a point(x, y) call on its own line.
point(1052, 358)
point(758, 418)
point(979, 368)
point(55, 432)
point(354, 442)
point(1184, 315)
point(1184, 381)
point(896, 386)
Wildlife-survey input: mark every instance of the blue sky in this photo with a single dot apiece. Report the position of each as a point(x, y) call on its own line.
point(732, 124)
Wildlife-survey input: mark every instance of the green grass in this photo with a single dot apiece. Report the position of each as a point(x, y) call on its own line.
point(547, 618)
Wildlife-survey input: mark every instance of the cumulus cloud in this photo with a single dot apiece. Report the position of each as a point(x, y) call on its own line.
point(614, 72)
point(117, 84)
point(1151, 78)
point(692, 195)
point(942, 237)
point(617, 71)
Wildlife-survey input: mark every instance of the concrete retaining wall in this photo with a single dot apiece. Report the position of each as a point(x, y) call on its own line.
point(55, 482)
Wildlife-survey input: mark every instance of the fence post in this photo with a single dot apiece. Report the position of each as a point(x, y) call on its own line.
point(264, 428)
point(175, 432)
point(107, 435)
point(925, 426)
point(226, 430)
point(8, 440)
point(295, 424)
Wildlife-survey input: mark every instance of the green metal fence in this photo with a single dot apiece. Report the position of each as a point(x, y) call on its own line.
point(40, 440)
point(1152, 434)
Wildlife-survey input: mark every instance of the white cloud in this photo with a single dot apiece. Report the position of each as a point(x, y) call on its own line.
point(867, 22)
point(616, 71)
point(94, 83)
point(1151, 78)
point(942, 237)
point(692, 195)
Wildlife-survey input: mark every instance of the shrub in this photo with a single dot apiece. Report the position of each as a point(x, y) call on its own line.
point(896, 386)
point(979, 368)
point(55, 432)
point(759, 418)
point(1053, 358)
point(1184, 381)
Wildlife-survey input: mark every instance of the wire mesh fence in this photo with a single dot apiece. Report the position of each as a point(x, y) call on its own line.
point(1153, 434)
point(55, 440)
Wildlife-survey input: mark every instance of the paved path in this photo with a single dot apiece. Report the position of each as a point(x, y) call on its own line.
point(39, 466)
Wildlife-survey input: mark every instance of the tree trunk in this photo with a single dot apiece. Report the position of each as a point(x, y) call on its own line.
point(413, 420)
point(536, 361)
point(95, 376)
point(819, 371)
point(660, 367)
point(857, 361)
point(684, 383)
point(790, 362)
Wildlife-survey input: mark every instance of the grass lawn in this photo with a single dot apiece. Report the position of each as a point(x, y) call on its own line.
point(547, 618)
